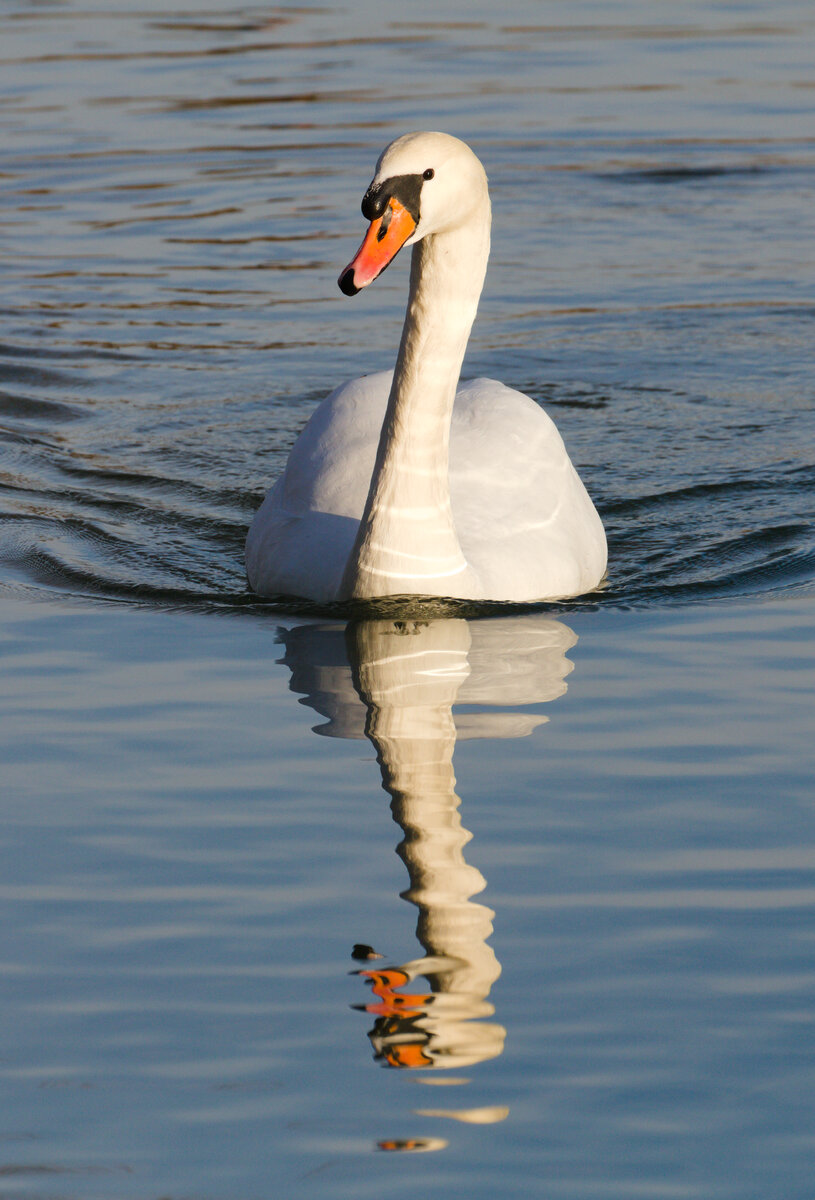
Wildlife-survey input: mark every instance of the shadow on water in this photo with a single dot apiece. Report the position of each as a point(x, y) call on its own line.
point(396, 683)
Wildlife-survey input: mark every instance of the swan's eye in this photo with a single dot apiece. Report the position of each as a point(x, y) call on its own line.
point(428, 174)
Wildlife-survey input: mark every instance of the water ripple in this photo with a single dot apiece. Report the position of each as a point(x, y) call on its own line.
point(182, 188)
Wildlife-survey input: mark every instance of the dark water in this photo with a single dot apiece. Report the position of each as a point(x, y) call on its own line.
point(182, 188)
point(610, 990)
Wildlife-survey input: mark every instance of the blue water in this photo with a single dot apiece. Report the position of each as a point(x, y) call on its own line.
point(582, 840)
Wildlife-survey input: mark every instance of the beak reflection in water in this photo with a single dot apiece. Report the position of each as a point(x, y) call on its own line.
point(396, 683)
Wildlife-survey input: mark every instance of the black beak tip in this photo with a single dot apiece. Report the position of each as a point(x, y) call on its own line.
point(346, 282)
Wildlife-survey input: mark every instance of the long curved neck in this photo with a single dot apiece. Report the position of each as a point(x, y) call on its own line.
point(407, 541)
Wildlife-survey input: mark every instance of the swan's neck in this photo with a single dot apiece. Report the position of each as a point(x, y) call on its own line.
point(407, 541)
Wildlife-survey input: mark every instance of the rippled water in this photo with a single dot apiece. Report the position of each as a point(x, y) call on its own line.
point(187, 867)
point(182, 188)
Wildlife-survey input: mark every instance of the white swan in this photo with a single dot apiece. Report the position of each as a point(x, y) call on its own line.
point(368, 504)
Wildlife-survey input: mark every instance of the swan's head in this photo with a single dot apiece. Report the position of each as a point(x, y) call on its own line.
point(425, 183)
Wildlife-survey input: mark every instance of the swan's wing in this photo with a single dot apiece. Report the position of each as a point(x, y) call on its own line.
point(331, 463)
point(302, 534)
point(521, 511)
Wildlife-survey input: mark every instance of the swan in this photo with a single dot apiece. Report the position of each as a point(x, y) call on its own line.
point(409, 483)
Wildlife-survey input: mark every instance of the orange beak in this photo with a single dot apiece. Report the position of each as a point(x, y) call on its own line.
point(385, 238)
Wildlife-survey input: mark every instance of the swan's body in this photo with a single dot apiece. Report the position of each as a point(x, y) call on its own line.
point(513, 550)
point(392, 489)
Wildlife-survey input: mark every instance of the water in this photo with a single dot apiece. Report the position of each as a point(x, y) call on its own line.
point(608, 991)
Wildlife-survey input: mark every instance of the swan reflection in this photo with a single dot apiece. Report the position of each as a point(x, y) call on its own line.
point(396, 683)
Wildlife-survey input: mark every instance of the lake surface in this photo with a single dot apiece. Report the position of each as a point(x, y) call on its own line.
point(581, 839)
